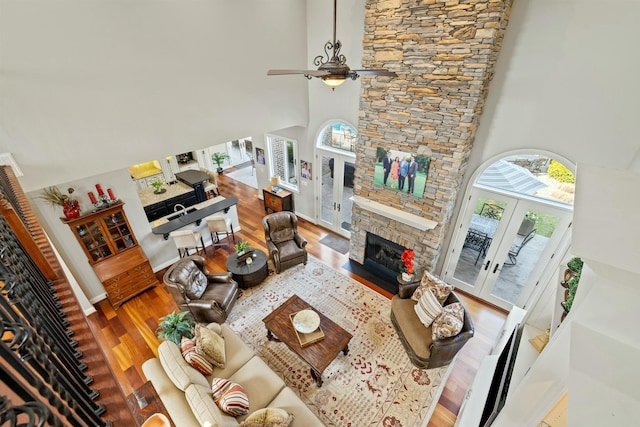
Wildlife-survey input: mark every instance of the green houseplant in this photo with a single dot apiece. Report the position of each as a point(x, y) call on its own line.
point(174, 326)
point(575, 265)
point(219, 157)
point(157, 185)
point(241, 246)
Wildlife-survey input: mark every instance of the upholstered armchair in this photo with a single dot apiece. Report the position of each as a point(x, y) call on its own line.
point(285, 245)
point(209, 297)
point(423, 351)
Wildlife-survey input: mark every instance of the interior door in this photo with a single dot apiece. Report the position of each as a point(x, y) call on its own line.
point(336, 192)
point(500, 258)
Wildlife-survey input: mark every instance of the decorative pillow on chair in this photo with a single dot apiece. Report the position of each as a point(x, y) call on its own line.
point(195, 282)
point(428, 308)
point(440, 289)
point(193, 358)
point(268, 417)
point(211, 346)
point(230, 397)
point(449, 323)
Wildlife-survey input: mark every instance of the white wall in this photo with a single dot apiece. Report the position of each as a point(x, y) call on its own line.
point(566, 82)
point(325, 104)
point(89, 87)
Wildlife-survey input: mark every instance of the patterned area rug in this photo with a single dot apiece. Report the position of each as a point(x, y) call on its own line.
point(375, 384)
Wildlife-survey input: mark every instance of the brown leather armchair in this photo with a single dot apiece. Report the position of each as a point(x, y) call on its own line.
point(208, 296)
point(424, 352)
point(286, 246)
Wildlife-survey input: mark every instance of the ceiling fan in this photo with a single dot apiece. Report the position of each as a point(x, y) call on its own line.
point(333, 68)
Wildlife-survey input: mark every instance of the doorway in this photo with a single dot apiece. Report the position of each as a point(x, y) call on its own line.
point(336, 192)
point(335, 156)
point(506, 237)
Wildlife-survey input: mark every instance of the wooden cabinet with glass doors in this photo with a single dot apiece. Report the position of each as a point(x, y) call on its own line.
point(113, 252)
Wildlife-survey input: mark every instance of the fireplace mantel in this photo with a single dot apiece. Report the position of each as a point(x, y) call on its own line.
point(395, 214)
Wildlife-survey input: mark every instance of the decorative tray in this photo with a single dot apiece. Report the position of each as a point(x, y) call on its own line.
point(242, 258)
point(308, 338)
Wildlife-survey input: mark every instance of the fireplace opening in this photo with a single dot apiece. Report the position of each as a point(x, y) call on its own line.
point(383, 257)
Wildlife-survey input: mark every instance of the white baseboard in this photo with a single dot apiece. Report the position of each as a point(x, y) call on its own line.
point(307, 218)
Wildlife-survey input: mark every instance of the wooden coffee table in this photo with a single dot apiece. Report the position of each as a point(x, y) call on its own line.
point(154, 404)
point(317, 355)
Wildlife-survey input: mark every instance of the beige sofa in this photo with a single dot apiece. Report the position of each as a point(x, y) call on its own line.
point(186, 393)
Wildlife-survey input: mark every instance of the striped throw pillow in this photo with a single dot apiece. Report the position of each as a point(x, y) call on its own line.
point(230, 397)
point(193, 358)
point(427, 308)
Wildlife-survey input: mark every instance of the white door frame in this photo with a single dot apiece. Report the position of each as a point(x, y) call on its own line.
point(339, 160)
point(483, 284)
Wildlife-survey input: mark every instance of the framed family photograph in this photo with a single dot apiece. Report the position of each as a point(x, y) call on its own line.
point(305, 172)
point(260, 155)
point(401, 171)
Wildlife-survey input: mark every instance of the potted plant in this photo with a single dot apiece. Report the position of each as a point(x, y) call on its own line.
point(574, 268)
point(241, 246)
point(174, 326)
point(575, 265)
point(157, 185)
point(219, 157)
point(70, 205)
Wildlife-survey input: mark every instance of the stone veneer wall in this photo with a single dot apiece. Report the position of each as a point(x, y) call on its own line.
point(444, 53)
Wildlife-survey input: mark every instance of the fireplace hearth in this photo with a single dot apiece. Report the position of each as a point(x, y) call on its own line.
point(382, 257)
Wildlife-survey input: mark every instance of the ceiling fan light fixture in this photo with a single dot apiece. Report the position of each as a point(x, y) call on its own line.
point(333, 81)
point(332, 66)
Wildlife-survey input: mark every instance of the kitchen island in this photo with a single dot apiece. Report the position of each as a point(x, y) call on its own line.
point(159, 205)
point(194, 215)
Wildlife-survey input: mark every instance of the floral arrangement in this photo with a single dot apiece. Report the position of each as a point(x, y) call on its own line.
point(55, 197)
point(407, 258)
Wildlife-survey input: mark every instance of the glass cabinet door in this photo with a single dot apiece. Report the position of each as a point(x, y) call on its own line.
point(119, 231)
point(94, 241)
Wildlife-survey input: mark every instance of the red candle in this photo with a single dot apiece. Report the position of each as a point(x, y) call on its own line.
point(92, 197)
point(110, 192)
point(99, 188)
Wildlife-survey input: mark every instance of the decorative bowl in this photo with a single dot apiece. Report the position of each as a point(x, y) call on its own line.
point(306, 321)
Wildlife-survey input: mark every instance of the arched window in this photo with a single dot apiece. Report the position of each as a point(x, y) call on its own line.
point(535, 175)
point(340, 135)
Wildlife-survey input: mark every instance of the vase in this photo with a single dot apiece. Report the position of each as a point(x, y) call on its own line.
point(407, 277)
point(71, 210)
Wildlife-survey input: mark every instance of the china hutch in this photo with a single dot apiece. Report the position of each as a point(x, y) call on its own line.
point(114, 253)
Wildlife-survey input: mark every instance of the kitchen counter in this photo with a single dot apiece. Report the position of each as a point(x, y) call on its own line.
point(164, 226)
point(148, 197)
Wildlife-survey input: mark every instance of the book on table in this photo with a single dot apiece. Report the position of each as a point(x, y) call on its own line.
point(310, 338)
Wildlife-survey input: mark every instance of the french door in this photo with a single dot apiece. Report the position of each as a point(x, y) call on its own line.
point(336, 191)
point(503, 246)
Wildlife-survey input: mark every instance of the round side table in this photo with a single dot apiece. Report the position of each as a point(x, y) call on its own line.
point(248, 275)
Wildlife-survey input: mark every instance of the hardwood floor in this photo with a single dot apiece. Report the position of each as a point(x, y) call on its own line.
point(128, 336)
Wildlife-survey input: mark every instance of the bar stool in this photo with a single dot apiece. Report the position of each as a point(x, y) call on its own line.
point(217, 225)
point(187, 239)
point(211, 186)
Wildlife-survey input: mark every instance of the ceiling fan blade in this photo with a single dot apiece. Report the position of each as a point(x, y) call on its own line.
point(314, 73)
point(375, 73)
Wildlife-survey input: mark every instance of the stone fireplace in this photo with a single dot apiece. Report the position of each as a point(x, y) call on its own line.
point(444, 53)
point(382, 257)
